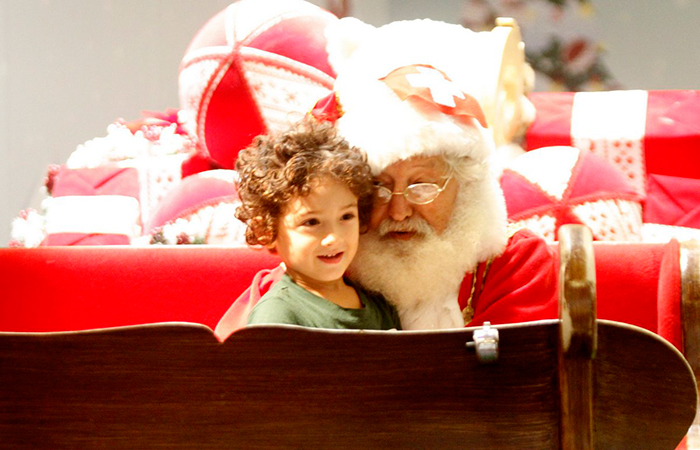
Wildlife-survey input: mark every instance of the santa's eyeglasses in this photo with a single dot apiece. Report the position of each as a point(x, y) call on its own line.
point(418, 194)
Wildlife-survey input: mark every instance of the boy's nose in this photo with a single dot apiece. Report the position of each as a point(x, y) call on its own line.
point(329, 239)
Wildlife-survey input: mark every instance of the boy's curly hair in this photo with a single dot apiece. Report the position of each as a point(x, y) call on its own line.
point(274, 170)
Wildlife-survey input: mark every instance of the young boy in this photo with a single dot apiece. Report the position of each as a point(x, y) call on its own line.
point(306, 195)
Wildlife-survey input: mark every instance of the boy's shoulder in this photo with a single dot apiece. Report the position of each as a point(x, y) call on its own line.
point(287, 296)
point(275, 306)
point(364, 293)
point(286, 289)
point(376, 300)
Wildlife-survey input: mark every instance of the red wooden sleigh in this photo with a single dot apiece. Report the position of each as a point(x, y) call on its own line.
point(574, 383)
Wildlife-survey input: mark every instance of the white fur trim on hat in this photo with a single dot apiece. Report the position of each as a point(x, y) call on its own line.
point(387, 128)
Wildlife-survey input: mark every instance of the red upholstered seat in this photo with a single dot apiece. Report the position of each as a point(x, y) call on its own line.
point(640, 284)
point(78, 288)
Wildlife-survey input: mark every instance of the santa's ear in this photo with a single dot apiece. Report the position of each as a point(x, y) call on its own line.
point(344, 37)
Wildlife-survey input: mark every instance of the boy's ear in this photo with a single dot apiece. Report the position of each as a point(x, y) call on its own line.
point(263, 235)
point(272, 247)
point(269, 242)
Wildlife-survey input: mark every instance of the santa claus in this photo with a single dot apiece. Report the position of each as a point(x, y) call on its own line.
point(438, 246)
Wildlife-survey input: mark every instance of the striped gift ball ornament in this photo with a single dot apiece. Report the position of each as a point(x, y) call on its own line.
point(253, 68)
point(553, 186)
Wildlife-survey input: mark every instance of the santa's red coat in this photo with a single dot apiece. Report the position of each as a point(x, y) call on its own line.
point(520, 285)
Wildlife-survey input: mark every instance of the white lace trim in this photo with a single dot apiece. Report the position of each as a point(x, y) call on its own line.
point(658, 233)
point(284, 90)
point(612, 124)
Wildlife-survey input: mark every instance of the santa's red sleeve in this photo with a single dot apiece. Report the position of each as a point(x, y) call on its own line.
point(236, 316)
point(518, 286)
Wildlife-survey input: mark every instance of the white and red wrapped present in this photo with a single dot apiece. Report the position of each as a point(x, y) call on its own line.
point(158, 175)
point(154, 145)
point(110, 185)
point(93, 206)
point(552, 186)
point(641, 132)
point(255, 67)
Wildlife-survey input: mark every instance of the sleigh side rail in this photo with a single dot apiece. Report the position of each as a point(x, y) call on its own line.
point(271, 387)
point(175, 385)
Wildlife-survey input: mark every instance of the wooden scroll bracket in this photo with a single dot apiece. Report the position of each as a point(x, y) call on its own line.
point(578, 336)
point(690, 318)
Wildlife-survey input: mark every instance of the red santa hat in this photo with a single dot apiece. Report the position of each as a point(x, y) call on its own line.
point(399, 94)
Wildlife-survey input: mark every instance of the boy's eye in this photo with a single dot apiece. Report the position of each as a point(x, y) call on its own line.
point(380, 184)
point(348, 216)
point(310, 222)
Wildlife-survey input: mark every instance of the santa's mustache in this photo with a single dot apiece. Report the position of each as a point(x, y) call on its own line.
point(410, 224)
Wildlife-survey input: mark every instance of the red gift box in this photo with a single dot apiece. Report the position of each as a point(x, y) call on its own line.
point(673, 201)
point(641, 132)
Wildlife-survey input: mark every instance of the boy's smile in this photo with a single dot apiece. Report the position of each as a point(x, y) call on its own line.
point(317, 235)
point(332, 259)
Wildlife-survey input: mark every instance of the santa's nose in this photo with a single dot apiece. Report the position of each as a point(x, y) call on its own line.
point(399, 208)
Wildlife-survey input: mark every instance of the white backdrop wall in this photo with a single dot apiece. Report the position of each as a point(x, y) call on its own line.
point(68, 68)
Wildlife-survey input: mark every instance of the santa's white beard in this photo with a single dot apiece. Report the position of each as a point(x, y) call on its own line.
point(421, 277)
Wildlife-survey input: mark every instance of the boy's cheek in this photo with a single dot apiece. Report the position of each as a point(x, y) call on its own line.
point(300, 238)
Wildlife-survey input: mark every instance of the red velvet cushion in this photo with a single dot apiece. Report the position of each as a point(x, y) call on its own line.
point(639, 284)
point(78, 288)
point(673, 201)
point(627, 278)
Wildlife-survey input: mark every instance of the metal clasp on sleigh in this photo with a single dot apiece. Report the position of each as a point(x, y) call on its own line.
point(485, 342)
